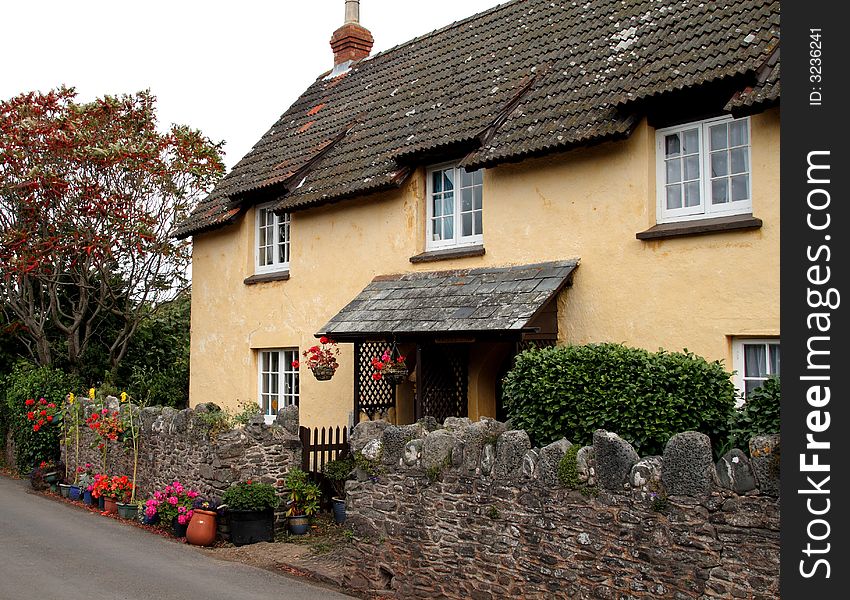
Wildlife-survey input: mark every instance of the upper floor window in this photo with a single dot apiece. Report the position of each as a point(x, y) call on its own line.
point(454, 207)
point(703, 170)
point(279, 380)
point(754, 361)
point(272, 249)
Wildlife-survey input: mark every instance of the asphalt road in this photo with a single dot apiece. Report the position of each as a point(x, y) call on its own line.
point(51, 551)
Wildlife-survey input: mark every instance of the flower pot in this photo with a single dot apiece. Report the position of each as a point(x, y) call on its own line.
point(339, 509)
point(65, 490)
point(299, 524)
point(127, 511)
point(177, 529)
point(322, 372)
point(146, 520)
point(251, 526)
point(394, 374)
point(110, 505)
point(101, 502)
point(202, 528)
point(74, 492)
point(87, 498)
point(51, 478)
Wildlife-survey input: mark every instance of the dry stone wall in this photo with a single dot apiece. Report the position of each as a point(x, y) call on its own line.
point(472, 511)
point(176, 444)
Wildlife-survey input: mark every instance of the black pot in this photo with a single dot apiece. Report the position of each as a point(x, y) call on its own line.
point(177, 529)
point(251, 526)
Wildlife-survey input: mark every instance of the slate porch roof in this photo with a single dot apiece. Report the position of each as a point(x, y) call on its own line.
point(524, 78)
point(487, 299)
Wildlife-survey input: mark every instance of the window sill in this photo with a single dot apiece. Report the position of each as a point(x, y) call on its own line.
point(448, 254)
point(699, 227)
point(266, 277)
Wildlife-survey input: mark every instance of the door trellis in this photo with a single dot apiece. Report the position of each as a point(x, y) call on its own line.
point(441, 390)
point(372, 397)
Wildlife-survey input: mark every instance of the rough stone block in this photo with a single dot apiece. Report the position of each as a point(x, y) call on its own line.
point(585, 465)
point(688, 467)
point(510, 450)
point(614, 459)
point(646, 474)
point(530, 461)
point(413, 452)
point(457, 423)
point(764, 459)
point(550, 458)
point(393, 441)
point(365, 432)
point(287, 418)
point(488, 457)
point(474, 437)
point(437, 449)
point(735, 473)
point(372, 450)
point(180, 422)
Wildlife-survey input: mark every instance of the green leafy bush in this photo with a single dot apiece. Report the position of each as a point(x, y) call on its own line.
point(29, 382)
point(568, 468)
point(759, 416)
point(337, 471)
point(304, 495)
point(249, 495)
point(645, 397)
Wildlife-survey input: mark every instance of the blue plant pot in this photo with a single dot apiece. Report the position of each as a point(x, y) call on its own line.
point(299, 525)
point(74, 492)
point(146, 520)
point(339, 510)
point(101, 503)
point(87, 497)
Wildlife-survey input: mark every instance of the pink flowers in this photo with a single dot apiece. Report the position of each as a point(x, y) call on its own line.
point(174, 501)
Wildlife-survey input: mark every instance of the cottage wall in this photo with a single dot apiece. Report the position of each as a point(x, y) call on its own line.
point(693, 292)
point(469, 512)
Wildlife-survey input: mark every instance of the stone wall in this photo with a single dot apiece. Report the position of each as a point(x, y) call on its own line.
point(177, 445)
point(472, 511)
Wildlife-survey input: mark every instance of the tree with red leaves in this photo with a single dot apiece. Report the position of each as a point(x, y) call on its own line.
point(89, 196)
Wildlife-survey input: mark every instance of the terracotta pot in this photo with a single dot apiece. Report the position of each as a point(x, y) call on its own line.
point(202, 528)
point(110, 505)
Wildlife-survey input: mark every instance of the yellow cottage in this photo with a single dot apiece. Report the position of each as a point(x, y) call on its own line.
point(539, 173)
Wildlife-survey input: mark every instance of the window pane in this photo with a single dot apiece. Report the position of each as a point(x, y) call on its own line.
point(691, 168)
point(774, 359)
point(466, 199)
point(438, 206)
point(437, 179)
point(465, 178)
point(273, 406)
point(718, 137)
point(755, 361)
point(692, 194)
point(476, 197)
point(751, 385)
point(269, 258)
point(740, 187)
point(740, 161)
point(720, 191)
point(436, 231)
point(691, 142)
point(738, 133)
point(466, 224)
point(674, 171)
point(478, 228)
point(478, 177)
point(674, 196)
point(449, 204)
point(719, 164)
point(448, 179)
point(448, 228)
point(672, 145)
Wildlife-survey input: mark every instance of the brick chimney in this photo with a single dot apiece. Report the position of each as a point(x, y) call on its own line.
point(352, 41)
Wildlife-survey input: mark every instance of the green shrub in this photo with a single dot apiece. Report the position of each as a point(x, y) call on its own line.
point(758, 416)
point(249, 495)
point(645, 397)
point(337, 471)
point(304, 495)
point(568, 468)
point(29, 382)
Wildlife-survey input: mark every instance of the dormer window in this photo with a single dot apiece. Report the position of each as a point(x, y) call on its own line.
point(272, 245)
point(454, 207)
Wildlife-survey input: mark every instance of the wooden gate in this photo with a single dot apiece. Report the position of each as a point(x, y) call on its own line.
point(320, 446)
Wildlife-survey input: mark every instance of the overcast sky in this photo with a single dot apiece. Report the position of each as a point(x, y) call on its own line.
point(227, 68)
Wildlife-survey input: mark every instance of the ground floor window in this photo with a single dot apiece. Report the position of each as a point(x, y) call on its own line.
point(278, 385)
point(754, 361)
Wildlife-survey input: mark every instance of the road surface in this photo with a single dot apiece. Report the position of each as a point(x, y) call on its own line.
point(50, 550)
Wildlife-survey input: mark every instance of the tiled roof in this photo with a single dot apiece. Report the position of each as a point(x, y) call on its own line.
point(524, 78)
point(467, 300)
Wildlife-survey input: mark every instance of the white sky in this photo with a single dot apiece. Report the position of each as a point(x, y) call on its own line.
point(227, 68)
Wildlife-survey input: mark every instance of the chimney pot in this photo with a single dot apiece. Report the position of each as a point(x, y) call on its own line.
point(352, 41)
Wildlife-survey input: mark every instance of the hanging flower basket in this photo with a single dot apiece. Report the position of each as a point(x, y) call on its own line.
point(395, 373)
point(390, 366)
point(323, 372)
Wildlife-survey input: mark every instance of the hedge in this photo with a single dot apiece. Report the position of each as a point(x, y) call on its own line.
point(645, 397)
point(25, 382)
point(759, 416)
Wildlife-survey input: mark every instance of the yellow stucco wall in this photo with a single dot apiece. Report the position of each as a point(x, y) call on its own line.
point(692, 292)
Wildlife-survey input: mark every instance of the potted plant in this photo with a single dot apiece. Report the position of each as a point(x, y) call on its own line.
point(202, 526)
point(390, 366)
point(250, 509)
point(123, 490)
point(337, 471)
point(85, 481)
point(303, 501)
point(173, 506)
point(321, 359)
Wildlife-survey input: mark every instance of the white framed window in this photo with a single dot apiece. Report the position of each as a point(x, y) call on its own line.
point(272, 246)
point(278, 380)
point(703, 170)
point(455, 207)
point(754, 360)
